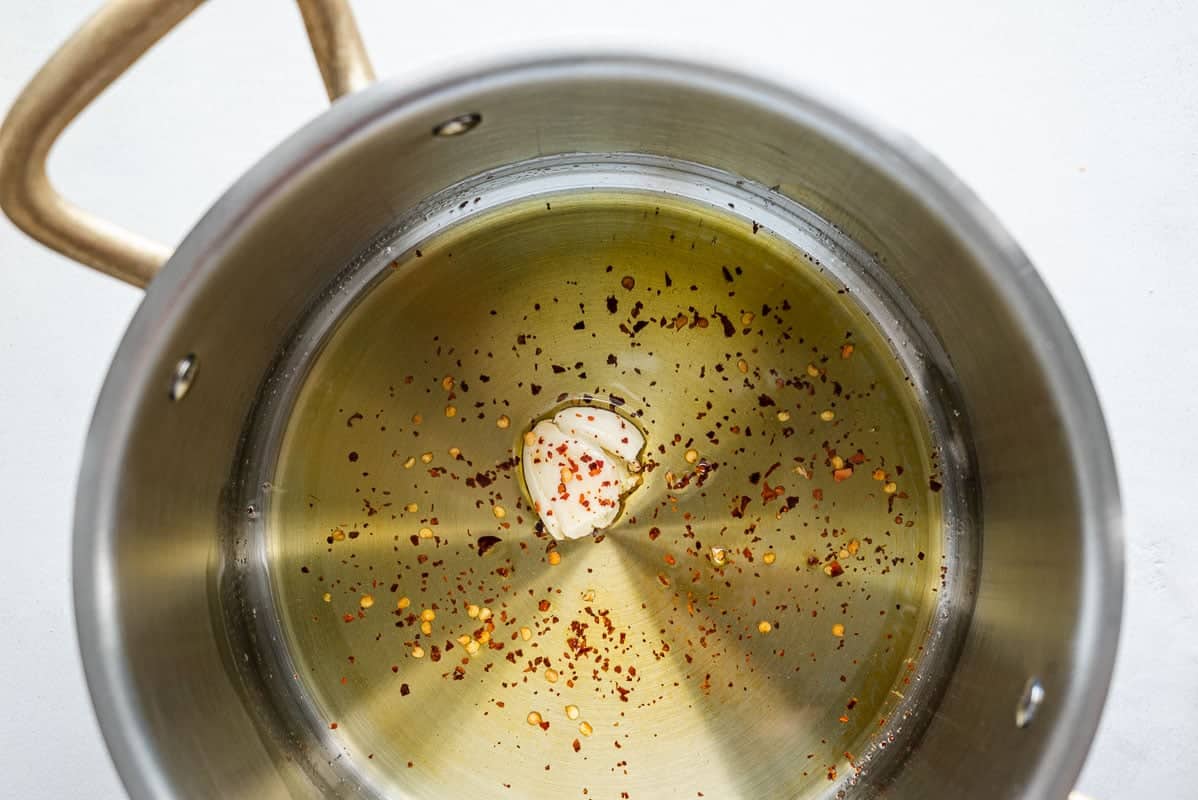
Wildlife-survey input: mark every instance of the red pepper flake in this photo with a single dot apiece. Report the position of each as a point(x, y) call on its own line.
point(833, 569)
point(654, 533)
point(577, 745)
point(333, 726)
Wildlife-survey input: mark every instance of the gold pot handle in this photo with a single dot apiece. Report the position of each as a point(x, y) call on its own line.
point(96, 55)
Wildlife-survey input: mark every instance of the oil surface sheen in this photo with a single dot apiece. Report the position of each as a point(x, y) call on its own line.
point(746, 626)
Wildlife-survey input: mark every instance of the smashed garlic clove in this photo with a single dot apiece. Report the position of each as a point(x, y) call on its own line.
point(608, 430)
point(577, 467)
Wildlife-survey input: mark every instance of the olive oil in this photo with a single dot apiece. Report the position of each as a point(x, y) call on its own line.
point(749, 625)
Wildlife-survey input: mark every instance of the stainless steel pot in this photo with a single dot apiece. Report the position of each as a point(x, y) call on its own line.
point(169, 581)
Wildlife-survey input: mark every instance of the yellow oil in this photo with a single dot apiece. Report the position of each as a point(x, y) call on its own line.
point(747, 626)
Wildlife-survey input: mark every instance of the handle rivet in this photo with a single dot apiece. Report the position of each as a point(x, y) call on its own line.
point(458, 125)
point(184, 376)
point(1029, 702)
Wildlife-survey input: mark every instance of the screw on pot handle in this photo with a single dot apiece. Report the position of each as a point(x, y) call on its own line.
point(96, 55)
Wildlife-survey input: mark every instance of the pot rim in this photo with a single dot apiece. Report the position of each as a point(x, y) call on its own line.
point(134, 373)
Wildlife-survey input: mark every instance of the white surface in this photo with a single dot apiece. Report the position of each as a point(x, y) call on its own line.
point(1077, 122)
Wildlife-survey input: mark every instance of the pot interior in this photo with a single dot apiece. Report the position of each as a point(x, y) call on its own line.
point(760, 617)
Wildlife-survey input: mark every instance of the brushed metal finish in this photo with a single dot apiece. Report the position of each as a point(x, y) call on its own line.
point(158, 509)
point(337, 46)
point(96, 55)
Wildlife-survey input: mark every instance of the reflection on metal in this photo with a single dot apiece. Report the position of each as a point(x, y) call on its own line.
point(458, 125)
point(1029, 702)
point(184, 377)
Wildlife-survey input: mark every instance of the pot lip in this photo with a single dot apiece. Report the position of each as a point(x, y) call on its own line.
point(134, 373)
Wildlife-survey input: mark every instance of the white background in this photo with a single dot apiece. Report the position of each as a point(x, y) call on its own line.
point(1077, 122)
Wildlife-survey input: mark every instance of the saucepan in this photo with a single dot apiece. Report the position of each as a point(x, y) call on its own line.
point(862, 533)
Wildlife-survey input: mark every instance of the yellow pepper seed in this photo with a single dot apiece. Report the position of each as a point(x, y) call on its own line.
point(764, 627)
point(838, 630)
point(402, 603)
point(366, 601)
point(827, 416)
point(533, 718)
point(572, 712)
point(503, 422)
point(585, 728)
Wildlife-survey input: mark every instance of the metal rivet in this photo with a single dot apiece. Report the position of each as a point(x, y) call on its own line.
point(1029, 702)
point(184, 377)
point(458, 125)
